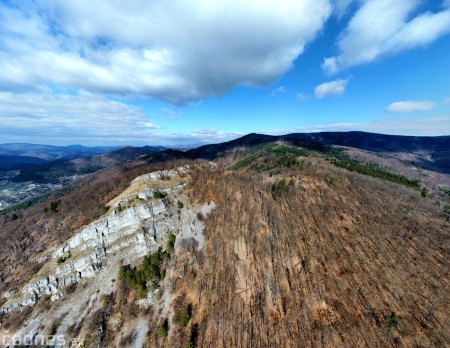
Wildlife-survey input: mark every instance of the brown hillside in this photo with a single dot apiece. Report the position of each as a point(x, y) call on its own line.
point(336, 259)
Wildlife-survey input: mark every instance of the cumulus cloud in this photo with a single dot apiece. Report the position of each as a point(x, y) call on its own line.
point(70, 116)
point(385, 27)
point(336, 87)
point(410, 106)
point(88, 119)
point(278, 90)
point(178, 51)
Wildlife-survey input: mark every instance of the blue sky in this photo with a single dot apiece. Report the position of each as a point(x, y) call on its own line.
point(176, 72)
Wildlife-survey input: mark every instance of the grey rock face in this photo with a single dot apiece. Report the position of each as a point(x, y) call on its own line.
point(135, 225)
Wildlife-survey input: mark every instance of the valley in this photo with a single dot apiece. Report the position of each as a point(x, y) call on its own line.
point(30, 173)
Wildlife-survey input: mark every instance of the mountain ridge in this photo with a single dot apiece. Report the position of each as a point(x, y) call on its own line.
point(306, 252)
point(432, 152)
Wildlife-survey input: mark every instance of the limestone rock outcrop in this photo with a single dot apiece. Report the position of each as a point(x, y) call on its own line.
point(138, 222)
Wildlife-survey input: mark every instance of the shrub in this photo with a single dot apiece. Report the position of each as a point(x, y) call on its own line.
point(200, 216)
point(106, 298)
point(146, 276)
point(54, 206)
point(446, 191)
point(70, 328)
point(392, 321)
point(282, 186)
point(170, 243)
point(61, 260)
point(180, 205)
point(185, 318)
point(163, 330)
point(159, 195)
point(446, 208)
point(14, 217)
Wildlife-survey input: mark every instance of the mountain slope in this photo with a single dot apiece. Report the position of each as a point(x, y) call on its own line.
point(427, 152)
point(8, 162)
point(333, 259)
point(269, 245)
point(52, 152)
point(82, 165)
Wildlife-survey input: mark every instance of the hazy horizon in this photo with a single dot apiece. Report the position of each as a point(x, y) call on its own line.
point(187, 144)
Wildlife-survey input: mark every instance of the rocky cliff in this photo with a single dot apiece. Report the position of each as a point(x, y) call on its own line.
point(136, 223)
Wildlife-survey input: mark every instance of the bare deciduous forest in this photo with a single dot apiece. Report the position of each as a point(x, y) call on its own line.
point(325, 259)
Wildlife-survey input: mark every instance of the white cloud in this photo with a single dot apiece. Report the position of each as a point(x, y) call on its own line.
point(278, 90)
point(151, 126)
point(336, 87)
point(88, 119)
point(330, 65)
point(410, 106)
point(447, 100)
point(341, 7)
point(385, 27)
point(70, 116)
point(424, 126)
point(302, 96)
point(206, 136)
point(175, 50)
point(328, 127)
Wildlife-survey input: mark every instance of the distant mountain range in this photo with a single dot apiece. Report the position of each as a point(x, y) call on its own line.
point(47, 162)
point(427, 152)
point(21, 155)
point(51, 152)
point(67, 160)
